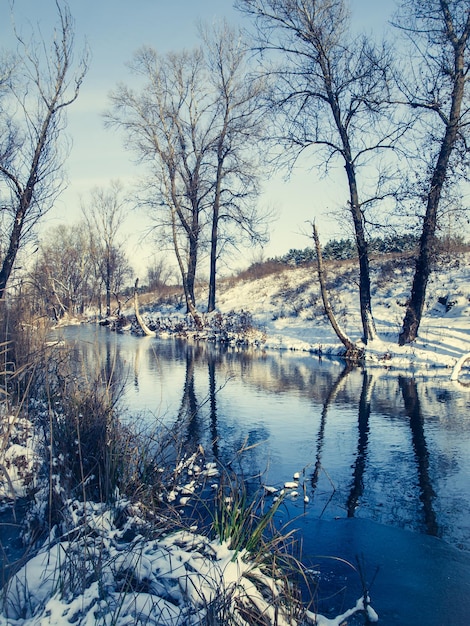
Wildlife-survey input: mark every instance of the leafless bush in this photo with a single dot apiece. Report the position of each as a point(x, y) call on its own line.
point(260, 270)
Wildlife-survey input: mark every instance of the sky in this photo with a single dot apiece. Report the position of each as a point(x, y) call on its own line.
point(113, 30)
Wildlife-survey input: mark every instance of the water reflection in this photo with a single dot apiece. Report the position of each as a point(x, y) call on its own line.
point(357, 487)
point(372, 446)
point(384, 454)
point(90, 361)
point(332, 393)
point(211, 365)
point(409, 391)
point(188, 411)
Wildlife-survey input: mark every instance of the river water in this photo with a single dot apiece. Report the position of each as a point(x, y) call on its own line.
point(384, 460)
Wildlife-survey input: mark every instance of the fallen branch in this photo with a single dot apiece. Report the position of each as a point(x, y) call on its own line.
point(458, 366)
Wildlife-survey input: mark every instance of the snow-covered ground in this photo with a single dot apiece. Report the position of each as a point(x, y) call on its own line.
point(112, 567)
point(287, 312)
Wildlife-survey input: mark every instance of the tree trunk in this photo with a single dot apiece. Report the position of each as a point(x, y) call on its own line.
point(15, 238)
point(190, 306)
point(118, 304)
point(213, 261)
point(146, 330)
point(415, 306)
point(108, 284)
point(215, 225)
point(56, 296)
point(351, 349)
point(191, 271)
point(368, 325)
point(189, 281)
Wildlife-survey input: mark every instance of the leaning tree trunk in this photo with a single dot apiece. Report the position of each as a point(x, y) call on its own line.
point(352, 351)
point(145, 329)
point(24, 201)
point(415, 305)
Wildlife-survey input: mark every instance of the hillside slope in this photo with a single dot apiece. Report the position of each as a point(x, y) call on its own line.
point(286, 308)
point(281, 308)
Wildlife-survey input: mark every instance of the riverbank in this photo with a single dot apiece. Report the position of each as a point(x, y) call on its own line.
point(283, 311)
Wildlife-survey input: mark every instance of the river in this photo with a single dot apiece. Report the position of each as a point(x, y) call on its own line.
point(384, 460)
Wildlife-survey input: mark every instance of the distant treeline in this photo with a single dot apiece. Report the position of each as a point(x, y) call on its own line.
point(340, 249)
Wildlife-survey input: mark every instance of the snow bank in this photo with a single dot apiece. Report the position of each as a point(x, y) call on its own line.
point(284, 311)
point(174, 580)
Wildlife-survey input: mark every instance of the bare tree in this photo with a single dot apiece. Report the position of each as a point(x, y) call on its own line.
point(159, 273)
point(195, 122)
point(163, 126)
point(237, 125)
point(72, 266)
point(105, 212)
point(32, 121)
point(330, 93)
point(436, 87)
point(63, 272)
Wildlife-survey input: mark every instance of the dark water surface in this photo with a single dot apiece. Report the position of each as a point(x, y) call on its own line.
point(384, 460)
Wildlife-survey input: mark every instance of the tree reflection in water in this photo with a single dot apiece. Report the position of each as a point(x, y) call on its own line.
point(357, 486)
point(363, 436)
point(410, 396)
point(321, 432)
point(211, 362)
point(409, 391)
point(188, 413)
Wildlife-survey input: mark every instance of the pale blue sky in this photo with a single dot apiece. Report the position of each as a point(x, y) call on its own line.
point(114, 30)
